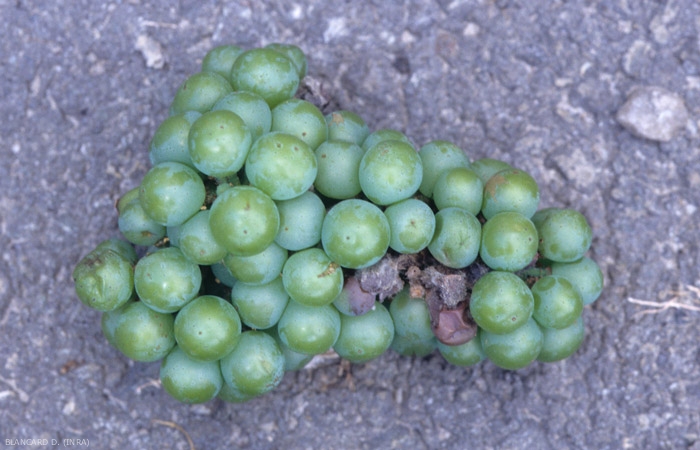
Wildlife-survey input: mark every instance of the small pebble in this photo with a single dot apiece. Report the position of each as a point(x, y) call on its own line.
point(653, 113)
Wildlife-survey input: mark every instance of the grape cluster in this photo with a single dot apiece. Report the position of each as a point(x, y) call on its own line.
point(267, 232)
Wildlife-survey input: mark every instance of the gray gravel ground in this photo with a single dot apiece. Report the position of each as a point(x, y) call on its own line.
point(536, 83)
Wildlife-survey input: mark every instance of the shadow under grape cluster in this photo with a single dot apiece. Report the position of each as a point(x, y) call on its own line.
point(269, 231)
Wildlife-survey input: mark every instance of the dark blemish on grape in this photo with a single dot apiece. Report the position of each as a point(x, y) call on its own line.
point(278, 145)
point(199, 333)
point(303, 133)
point(296, 149)
point(513, 319)
point(323, 155)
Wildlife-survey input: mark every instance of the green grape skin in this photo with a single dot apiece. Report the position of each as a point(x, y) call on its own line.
point(244, 220)
point(188, 380)
point(218, 143)
point(412, 225)
point(384, 134)
point(260, 268)
point(457, 238)
point(199, 92)
point(390, 171)
point(510, 190)
point(565, 235)
point(250, 107)
point(338, 175)
point(301, 119)
point(508, 241)
point(197, 242)
point(120, 246)
point(260, 306)
point(223, 275)
point(558, 303)
point(485, 168)
point(514, 350)
point(411, 317)
point(468, 354)
point(346, 126)
point(562, 343)
point(127, 198)
point(585, 275)
point(169, 142)
point(295, 55)
point(363, 338)
point(281, 165)
point(301, 219)
point(166, 280)
point(256, 364)
point(437, 157)
point(265, 72)
point(355, 233)
point(311, 278)
point(207, 328)
point(231, 395)
point(138, 332)
point(292, 360)
point(170, 193)
point(220, 59)
point(310, 330)
point(501, 302)
point(104, 279)
point(409, 346)
point(459, 187)
point(137, 226)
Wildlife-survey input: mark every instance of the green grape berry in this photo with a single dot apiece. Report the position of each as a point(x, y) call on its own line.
point(170, 193)
point(301, 219)
point(220, 59)
point(250, 107)
point(310, 330)
point(355, 233)
point(558, 344)
point(120, 246)
point(166, 280)
point(199, 92)
point(365, 337)
point(294, 53)
point(104, 279)
point(260, 306)
point(218, 143)
point(459, 187)
point(311, 278)
point(510, 190)
point(197, 242)
point(558, 303)
point(565, 235)
point(346, 126)
point(515, 349)
point(260, 268)
point(437, 157)
point(384, 134)
point(338, 175)
point(188, 380)
point(411, 317)
point(457, 238)
point(585, 275)
point(139, 332)
point(390, 171)
point(301, 119)
point(508, 241)
point(467, 354)
point(412, 225)
point(501, 302)
point(265, 72)
point(485, 168)
point(256, 364)
point(169, 142)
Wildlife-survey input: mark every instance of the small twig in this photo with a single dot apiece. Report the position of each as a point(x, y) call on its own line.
point(150, 383)
point(178, 428)
point(657, 307)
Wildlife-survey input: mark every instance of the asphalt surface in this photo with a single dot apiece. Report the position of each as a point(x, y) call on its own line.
point(538, 84)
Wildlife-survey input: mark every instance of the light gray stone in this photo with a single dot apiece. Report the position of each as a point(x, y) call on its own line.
point(653, 113)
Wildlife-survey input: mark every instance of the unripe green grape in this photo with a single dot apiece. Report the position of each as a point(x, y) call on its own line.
point(410, 346)
point(260, 268)
point(250, 107)
point(120, 246)
point(170, 193)
point(220, 59)
point(459, 187)
point(510, 190)
point(301, 219)
point(281, 165)
point(166, 280)
point(585, 275)
point(311, 278)
point(292, 360)
point(199, 92)
point(260, 306)
point(384, 134)
point(188, 380)
point(565, 235)
point(516, 349)
point(412, 225)
point(231, 395)
point(294, 53)
point(501, 302)
point(207, 328)
point(558, 303)
point(346, 126)
point(390, 171)
point(485, 168)
point(365, 337)
point(508, 241)
point(104, 279)
point(457, 238)
point(265, 72)
point(355, 233)
point(139, 332)
point(256, 364)
point(137, 226)
point(223, 275)
point(244, 220)
point(197, 242)
point(218, 143)
point(338, 174)
point(301, 119)
point(411, 317)
point(467, 354)
point(126, 198)
point(438, 156)
point(560, 344)
point(310, 330)
point(169, 142)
